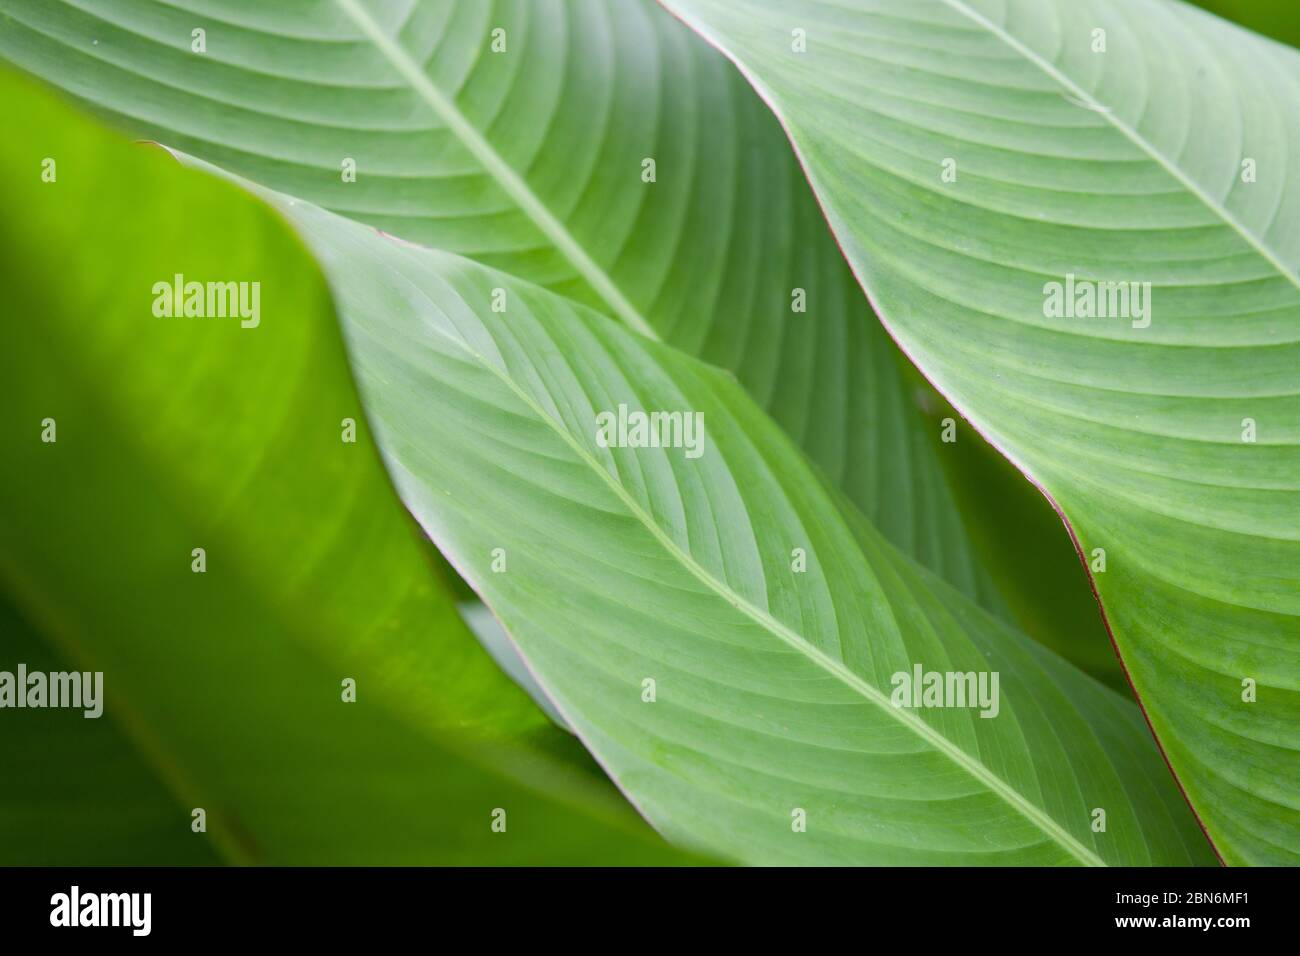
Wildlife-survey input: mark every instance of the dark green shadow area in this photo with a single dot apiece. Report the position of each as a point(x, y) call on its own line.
point(1022, 543)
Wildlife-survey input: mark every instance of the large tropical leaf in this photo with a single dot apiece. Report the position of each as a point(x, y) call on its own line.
point(183, 433)
point(1168, 158)
point(530, 160)
point(772, 680)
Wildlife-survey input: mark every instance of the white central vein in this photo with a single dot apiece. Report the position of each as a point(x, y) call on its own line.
point(1136, 138)
point(798, 642)
point(495, 165)
point(556, 231)
point(836, 668)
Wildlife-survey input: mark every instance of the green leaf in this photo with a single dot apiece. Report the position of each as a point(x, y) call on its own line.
point(772, 680)
point(1168, 159)
point(1017, 535)
point(497, 643)
point(77, 793)
point(172, 434)
point(530, 160)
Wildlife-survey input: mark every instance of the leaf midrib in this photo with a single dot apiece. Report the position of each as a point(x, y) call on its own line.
point(502, 172)
point(977, 770)
point(529, 203)
point(1136, 138)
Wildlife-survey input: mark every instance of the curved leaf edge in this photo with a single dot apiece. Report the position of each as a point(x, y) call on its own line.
point(541, 771)
point(769, 100)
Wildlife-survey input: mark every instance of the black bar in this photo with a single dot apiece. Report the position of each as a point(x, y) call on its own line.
point(334, 905)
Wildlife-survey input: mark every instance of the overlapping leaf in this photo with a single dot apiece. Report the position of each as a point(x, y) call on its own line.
point(616, 566)
point(1138, 142)
point(172, 434)
point(772, 686)
point(530, 160)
